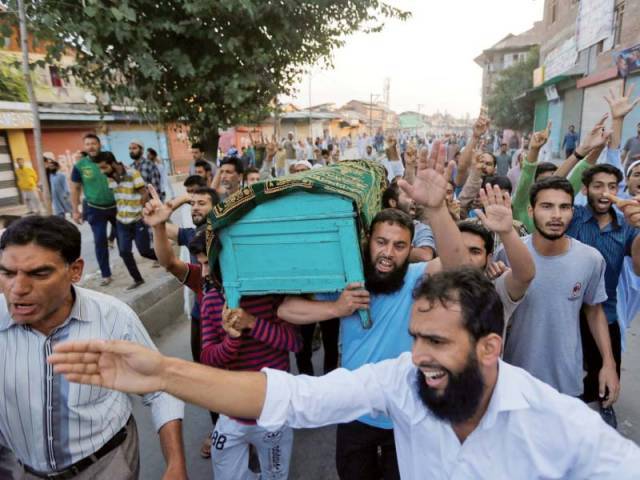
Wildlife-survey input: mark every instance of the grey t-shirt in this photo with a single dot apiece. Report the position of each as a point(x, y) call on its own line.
point(544, 337)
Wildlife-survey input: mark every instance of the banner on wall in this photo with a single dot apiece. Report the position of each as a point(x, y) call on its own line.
point(595, 22)
point(628, 60)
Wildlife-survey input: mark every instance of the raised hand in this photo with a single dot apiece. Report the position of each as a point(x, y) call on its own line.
point(596, 138)
point(621, 105)
point(155, 212)
point(538, 139)
point(481, 126)
point(497, 215)
point(116, 364)
point(429, 188)
point(410, 156)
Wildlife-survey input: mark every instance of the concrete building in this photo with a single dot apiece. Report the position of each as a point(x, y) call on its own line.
point(508, 51)
point(577, 64)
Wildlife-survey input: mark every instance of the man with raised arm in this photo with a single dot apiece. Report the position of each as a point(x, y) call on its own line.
point(458, 411)
point(389, 283)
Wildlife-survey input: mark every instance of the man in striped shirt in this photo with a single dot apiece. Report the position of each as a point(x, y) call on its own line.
point(130, 193)
point(59, 430)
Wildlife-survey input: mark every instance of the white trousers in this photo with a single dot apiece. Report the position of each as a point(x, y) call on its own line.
point(230, 451)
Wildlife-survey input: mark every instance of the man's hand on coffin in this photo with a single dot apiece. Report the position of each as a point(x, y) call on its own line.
point(429, 188)
point(353, 297)
point(229, 318)
point(155, 212)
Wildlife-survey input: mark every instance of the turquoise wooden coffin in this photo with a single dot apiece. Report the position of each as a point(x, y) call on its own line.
point(298, 234)
point(298, 243)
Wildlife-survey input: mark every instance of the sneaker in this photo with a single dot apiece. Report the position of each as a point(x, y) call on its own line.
point(106, 281)
point(135, 285)
point(608, 414)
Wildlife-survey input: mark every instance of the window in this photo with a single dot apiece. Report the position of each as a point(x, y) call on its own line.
point(554, 10)
point(618, 15)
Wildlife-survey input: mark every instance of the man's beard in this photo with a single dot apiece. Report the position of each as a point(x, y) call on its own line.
point(549, 236)
point(593, 203)
point(135, 156)
point(199, 220)
point(461, 397)
point(378, 282)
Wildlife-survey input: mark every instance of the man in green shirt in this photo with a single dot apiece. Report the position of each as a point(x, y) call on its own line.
point(99, 205)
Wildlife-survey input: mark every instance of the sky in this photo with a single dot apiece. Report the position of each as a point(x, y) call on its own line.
point(428, 58)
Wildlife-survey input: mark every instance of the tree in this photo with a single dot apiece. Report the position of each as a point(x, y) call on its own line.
point(208, 64)
point(12, 87)
point(507, 104)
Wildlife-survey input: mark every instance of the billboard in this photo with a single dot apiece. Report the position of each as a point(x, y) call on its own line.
point(628, 60)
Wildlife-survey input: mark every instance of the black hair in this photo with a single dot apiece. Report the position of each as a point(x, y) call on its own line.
point(550, 183)
point(500, 180)
point(324, 151)
point(475, 228)
point(495, 162)
point(544, 167)
point(482, 312)
point(204, 164)
point(152, 151)
point(394, 216)
point(91, 135)
point(198, 146)
point(248, 171)
point(235, 161)
point(106, 157)
point(587, 175)
point(195, 180)
point(208, 191)
point(7, 220)
point(391, 193)
point(198, 244)
point(52, 232)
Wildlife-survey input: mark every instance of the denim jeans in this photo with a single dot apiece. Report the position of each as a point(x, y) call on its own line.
point(98, 219)
point(127, 234)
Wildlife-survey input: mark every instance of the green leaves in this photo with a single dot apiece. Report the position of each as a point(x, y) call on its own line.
point(206, 63)
point(508, 107)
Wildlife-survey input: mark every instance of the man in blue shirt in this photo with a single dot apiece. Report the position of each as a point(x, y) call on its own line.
point(597, 224)
point(389, 281)
point(570, 141)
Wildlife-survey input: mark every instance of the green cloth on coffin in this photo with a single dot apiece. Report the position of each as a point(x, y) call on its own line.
point(361, 181)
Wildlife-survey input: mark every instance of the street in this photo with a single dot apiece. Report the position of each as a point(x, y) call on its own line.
point(313, 453)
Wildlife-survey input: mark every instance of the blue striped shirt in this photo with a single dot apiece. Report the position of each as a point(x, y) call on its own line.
point(613, 242)
point(48, 422)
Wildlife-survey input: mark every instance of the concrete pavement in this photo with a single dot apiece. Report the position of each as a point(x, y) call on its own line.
point(314, 449)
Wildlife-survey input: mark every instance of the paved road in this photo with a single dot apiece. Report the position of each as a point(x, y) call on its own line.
point(313, 455)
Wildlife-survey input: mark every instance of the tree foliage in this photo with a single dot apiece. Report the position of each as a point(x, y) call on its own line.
point(507, 104)
point(12, 87)
point(207, 63)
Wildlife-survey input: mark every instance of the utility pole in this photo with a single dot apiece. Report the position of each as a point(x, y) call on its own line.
point(37, 132)
point(371, 97)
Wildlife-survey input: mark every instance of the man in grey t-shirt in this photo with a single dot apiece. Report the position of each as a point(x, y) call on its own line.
point(544, 337)
point(631, 151)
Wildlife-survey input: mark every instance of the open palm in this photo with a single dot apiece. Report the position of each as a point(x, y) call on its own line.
point(117, 364)
point(497, 215)
point(429, 188)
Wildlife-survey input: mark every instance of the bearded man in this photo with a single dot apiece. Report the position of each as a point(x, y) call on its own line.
point(544, 336)
point(458, 411)
point(366, 447)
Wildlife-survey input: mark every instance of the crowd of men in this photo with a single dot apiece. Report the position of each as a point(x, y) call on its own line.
point(499, 285)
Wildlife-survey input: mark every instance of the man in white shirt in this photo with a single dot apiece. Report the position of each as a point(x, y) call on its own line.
point(459, 412)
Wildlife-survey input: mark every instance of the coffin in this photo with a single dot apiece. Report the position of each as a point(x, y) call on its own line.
point(299, 234)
